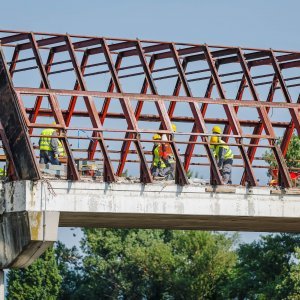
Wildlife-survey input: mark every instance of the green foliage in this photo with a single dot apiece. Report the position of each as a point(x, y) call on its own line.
point(163, 264)
point(125, 173)
point(266, 269)
point(39, 281)
point(191, 174)
point(68, 262)
point(295, 277)
point(154, 264)
point(292, 155)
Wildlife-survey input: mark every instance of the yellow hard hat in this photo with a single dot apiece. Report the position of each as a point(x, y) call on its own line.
point(216, 129)
point(156, 137)
point(214, 140)
point(174, 127)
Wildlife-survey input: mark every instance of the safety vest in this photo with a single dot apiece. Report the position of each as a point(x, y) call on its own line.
point(61, 149)
point(2, 172)
point(45, 141)
point(228, 153)
point(157, 161)
point(168, 153)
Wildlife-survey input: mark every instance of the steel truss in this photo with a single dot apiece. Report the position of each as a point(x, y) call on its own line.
point(143, 66)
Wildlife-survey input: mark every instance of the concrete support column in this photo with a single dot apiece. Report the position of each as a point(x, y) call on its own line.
point(2, 285)
point(24, 236)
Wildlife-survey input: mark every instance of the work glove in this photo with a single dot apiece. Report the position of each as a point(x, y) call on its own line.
point(55, 155)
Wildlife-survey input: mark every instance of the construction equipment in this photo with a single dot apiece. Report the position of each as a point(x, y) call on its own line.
point(90, 167)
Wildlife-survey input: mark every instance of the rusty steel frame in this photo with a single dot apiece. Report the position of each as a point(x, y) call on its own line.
point(150, 54)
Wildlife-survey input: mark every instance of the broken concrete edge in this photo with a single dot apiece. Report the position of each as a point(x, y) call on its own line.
point(24, 236)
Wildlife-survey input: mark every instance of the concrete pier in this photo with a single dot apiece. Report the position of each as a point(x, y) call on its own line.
point(32, 211)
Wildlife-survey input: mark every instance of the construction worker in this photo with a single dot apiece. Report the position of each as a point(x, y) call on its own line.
point(223, 154)
point(2, 172)
point(217, 130)
point(48, 143)
point(158, 164)
point(168, 156)
point(61, 149)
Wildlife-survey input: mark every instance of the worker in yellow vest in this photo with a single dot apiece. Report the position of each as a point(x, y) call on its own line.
point(2, 172)
point(61, 149)
point(223, 154)
point(168, 156)
point(48, 143)
point(158, 164)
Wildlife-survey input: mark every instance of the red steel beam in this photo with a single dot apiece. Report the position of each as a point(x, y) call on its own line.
point(180, 176)
point(294, 112)
point(260, 126)
point(154, 98)
point(38, 101)
point(14, 59)
point(160, 51)
point(76, 88)
point(145, 175)
point(232, 117)
point(266, 122)
point(93, 143)
point(14, 38)
point(73, 173)
point(109, 175)
point(126, 144)
point(11, 170)
point(199, 120)
point(154, 118)
point(190, 148)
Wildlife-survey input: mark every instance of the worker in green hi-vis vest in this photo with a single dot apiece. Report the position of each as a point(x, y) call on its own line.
point(223, 154)
point(2, 172)
point(49, 147)
point(158, 164)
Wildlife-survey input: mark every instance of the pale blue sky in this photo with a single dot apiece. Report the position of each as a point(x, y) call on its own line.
point(256, 23)
point(269, 23)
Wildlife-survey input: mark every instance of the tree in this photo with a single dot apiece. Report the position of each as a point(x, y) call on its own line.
point(267, 269)
point(154, 264)
point(39, 281)
point(69, 265)
point(295, 277)
point(292, 156)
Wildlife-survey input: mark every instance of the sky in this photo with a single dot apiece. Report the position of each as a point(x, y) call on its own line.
point(265, 24)
point(262, 24)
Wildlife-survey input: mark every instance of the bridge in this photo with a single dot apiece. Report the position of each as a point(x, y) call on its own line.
point(107, 97)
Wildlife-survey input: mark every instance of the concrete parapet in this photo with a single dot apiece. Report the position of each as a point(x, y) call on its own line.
point(159, 205)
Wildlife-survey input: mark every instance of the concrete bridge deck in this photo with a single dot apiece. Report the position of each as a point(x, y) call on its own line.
point(32, 211)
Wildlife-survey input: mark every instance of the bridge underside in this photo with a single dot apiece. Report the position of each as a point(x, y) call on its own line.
point(39, 208)
point(187, 222)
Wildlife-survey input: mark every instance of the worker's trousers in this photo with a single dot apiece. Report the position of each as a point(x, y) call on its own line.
point(156, 171)
point(169, 171)
point(48, 157)
point(226, 171)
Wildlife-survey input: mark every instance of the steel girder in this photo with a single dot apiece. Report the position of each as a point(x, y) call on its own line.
point(89, 82)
